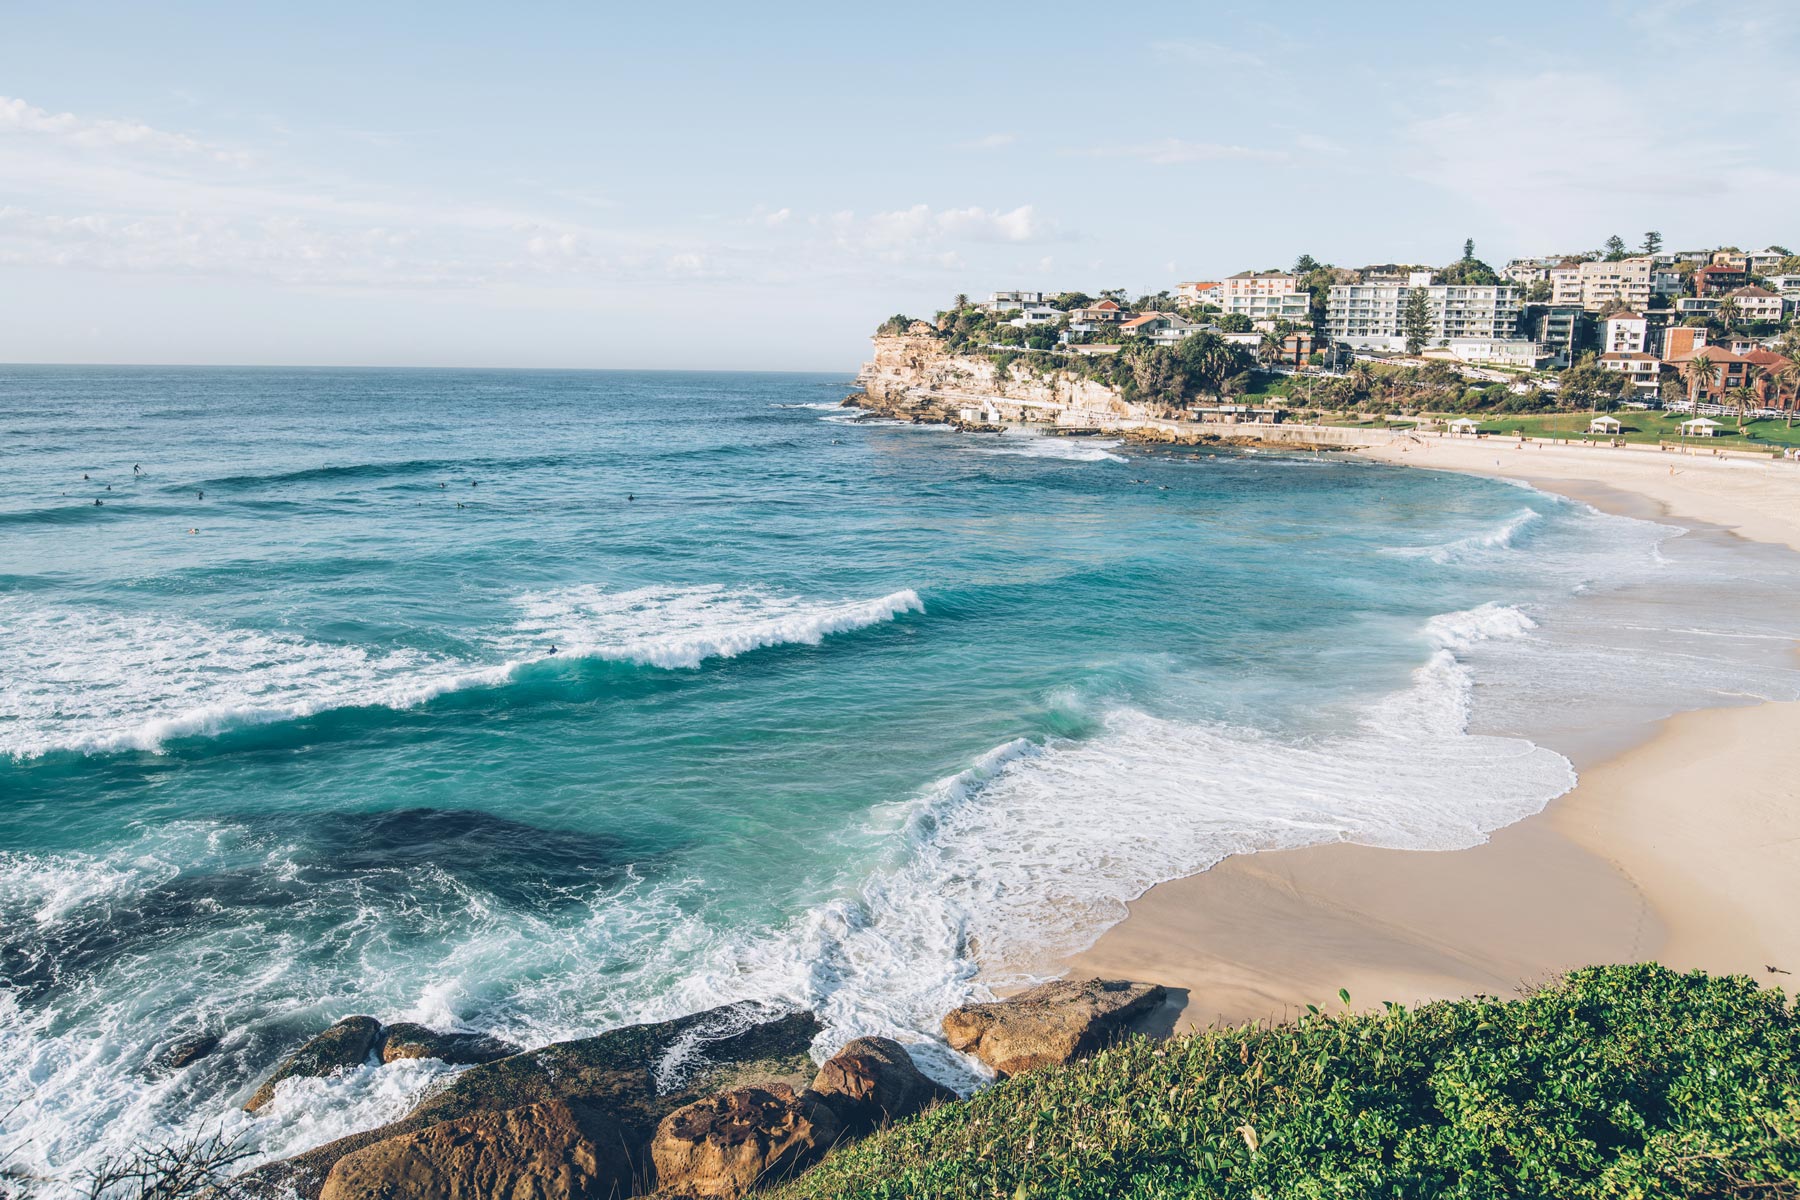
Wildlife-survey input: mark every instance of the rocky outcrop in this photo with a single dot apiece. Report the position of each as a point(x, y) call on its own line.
point(560, 1150)
point(1052, 1023)
point(872, 1082)
point(637, 1075)
point(403, 1039)
point(345, 1045)
point(724, 1145)
point(912, 373)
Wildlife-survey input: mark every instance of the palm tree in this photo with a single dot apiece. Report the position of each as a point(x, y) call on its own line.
point(1269, 349)
point(1743, 399)
point(1698, 372)
point(1728, 314)
point(1789, 377)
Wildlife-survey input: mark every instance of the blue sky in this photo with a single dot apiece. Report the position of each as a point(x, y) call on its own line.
point(755, 186)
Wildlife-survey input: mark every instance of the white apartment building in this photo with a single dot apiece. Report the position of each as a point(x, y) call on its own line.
point(999, 302)
point(1199, 291)
point(1627, 281)
point(1757, 304)
point(1372, 316)
point(1785, 285)
point(1645, 370)
point(1265, 297)
point(1565, 285)
point(1761, 262)
point(1036, 314)
point(1626, 333)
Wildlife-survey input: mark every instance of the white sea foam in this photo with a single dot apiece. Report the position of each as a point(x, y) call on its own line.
point(1036, 848)
point(93, 682)
point(683, 627)
point(1041, 446)
point(1502, 537)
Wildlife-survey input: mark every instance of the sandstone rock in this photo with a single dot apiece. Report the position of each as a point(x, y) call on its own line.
point(407, 1040)
point(725, 1145)
point(346, 1044)
point(1052, 1023)
point(561, 1150)
point(873, 1082)
point(637, 1074)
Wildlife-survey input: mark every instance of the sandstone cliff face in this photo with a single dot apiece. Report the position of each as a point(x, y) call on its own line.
point(912, 371)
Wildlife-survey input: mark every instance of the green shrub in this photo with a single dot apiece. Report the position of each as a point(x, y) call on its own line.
point(1626, 1081)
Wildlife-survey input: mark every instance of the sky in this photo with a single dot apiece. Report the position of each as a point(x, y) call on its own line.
point(738, 186)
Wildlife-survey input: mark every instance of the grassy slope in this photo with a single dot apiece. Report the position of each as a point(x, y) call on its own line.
point(1618, 1081)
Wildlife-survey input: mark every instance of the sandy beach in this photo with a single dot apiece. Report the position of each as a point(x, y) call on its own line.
point(1684, 849)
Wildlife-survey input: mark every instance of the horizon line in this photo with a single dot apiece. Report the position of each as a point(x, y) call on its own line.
point(223, 366)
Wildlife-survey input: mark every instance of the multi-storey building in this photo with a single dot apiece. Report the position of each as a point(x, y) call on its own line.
point(1199, 291)
point(1756, 304)
point(1626, 333)
point(998, 302)
point(1372, 316)
point(1761, 262)
point(1565, 285)
point(1266, 297)
point(1719, 279)
point(1564, 331)
point(1625, 280)
point(1645, 370)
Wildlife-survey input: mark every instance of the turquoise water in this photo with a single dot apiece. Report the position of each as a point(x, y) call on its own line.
point(538, 702)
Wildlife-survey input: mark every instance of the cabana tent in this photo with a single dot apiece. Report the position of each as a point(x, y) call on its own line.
point(1700, 427)
point(1464, 425)
point(1604, 425)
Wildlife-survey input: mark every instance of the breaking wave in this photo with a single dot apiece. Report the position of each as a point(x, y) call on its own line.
point(1503, 537)
point(94, 682)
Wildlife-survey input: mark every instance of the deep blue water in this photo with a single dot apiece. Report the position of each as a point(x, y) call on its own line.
point(536, 702)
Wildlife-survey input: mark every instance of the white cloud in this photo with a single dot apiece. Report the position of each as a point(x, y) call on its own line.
point(921, 223)
point(18, 117)
point(1567, 154)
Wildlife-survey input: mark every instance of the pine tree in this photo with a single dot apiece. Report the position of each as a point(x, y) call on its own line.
point(1416, 319)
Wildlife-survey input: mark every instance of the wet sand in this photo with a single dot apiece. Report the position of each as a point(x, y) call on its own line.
point(1684, 849)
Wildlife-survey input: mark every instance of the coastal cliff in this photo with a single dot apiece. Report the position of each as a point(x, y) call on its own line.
point(912, 374)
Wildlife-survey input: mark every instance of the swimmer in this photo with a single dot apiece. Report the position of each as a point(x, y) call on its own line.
point(193, 531)
point(98, 502)
point(201, 493)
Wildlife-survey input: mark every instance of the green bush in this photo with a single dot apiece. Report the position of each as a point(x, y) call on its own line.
point(1626, 1081)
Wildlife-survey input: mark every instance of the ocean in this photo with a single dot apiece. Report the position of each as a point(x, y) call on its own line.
point(538, 702)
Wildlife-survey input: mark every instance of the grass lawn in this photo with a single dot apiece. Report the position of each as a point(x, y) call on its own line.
point(1649, 427)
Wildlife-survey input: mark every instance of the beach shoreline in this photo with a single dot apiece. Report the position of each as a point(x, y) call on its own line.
point(1679, 846)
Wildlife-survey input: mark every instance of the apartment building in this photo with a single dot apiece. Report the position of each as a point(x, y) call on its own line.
point(1627, 281)
point(1756, 304)
point(1265, 297)
point(1626, 333)
point(1372, 316)
point(1563, 331)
